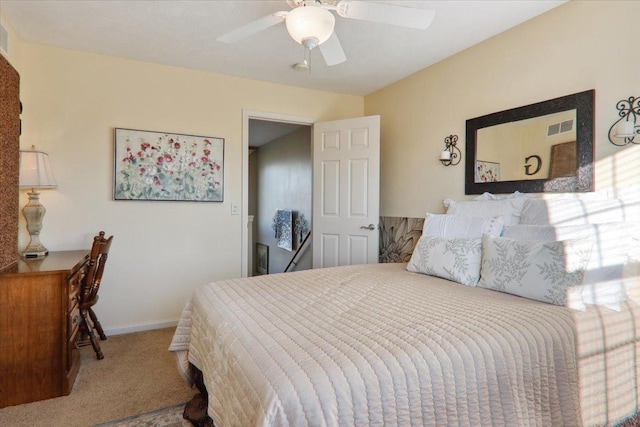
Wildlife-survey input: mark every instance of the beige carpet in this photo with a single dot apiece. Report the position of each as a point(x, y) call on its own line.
point(137, 375)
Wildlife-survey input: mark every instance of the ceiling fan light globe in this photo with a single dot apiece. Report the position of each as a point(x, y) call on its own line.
point(310, 22)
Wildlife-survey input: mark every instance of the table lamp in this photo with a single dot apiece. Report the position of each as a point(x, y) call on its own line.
point(35, 174)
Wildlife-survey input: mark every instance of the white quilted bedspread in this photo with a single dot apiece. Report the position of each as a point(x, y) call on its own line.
point(375, 345)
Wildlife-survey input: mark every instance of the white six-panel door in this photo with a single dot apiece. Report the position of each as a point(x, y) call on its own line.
point(346, 191)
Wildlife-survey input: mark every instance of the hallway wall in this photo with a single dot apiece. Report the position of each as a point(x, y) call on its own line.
point(284, 182)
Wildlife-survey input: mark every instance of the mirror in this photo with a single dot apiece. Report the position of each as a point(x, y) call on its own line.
point(499, 159)
point(543, 147)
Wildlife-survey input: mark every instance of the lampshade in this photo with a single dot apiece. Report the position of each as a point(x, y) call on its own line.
point(35, 171)
point(310, 22)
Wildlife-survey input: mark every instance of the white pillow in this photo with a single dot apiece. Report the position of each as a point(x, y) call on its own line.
point(452, 259)
point(461, 227)
point(543, 271)
point(603, 284)
point(631, 279)
point(634, 250)
point(577, 212)
point(491, 196)
point(509, 209)
point(627, 193)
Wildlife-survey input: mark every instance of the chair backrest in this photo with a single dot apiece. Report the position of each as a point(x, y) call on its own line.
point(97, 261)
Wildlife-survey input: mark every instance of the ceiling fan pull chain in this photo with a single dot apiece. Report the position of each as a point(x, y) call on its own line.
point(303, 65)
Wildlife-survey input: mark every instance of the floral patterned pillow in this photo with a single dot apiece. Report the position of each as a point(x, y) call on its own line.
point(452, 259)
point(603, 283)
point(543, 271)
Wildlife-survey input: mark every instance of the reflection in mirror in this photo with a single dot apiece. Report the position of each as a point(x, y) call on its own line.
point(523, 149)
point(547, 146)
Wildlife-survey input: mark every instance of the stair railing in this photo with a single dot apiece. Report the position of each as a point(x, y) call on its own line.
point(292, 262)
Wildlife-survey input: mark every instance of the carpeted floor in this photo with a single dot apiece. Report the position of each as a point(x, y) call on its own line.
point(136, 385)
point(137, 375)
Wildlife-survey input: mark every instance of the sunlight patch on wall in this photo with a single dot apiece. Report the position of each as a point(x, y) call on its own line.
point(618, 171)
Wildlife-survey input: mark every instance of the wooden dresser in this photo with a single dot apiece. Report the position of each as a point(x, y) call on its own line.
point(39, 321)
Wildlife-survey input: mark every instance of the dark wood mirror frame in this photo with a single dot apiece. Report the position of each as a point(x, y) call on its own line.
point(583, 103)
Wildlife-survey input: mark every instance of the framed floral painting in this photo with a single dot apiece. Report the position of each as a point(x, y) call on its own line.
point(166, 166)
point(487, 171)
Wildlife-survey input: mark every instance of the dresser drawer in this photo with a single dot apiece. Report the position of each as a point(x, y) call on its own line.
point(74, 291)
point(73, 321)
point(71, 349)
point(74, 281)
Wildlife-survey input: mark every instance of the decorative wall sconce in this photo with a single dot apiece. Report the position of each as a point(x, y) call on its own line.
point(451, 154)
point(627, 127)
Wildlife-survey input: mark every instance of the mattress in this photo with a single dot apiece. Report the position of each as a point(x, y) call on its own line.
point(375, 345)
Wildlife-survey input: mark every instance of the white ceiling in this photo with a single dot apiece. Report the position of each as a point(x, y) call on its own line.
point(183, 33)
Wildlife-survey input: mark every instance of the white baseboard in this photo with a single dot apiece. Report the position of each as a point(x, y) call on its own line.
point(139, 327)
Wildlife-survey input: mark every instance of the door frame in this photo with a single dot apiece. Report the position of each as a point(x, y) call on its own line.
point(267, 116)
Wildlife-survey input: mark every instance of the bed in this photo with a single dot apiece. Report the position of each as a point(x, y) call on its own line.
point(377, 345)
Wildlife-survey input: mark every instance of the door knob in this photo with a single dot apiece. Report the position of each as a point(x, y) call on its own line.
point(368, 227)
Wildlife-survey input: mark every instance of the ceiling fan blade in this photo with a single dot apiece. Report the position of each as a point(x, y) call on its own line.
point(253, 27)
point(332, 51)
point(386, 13)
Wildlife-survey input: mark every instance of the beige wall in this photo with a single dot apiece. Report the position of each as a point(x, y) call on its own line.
point(578, 46)
point(162, 250)
point(284, 182)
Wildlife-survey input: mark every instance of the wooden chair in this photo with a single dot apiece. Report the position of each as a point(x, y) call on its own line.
point(88, 296)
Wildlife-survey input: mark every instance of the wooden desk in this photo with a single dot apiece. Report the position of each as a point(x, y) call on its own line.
point(39, 320)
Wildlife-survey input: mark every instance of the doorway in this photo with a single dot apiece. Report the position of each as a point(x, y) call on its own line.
point(277, 165)
point(353, 179)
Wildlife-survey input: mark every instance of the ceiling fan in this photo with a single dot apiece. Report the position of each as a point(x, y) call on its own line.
point(311, 22)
